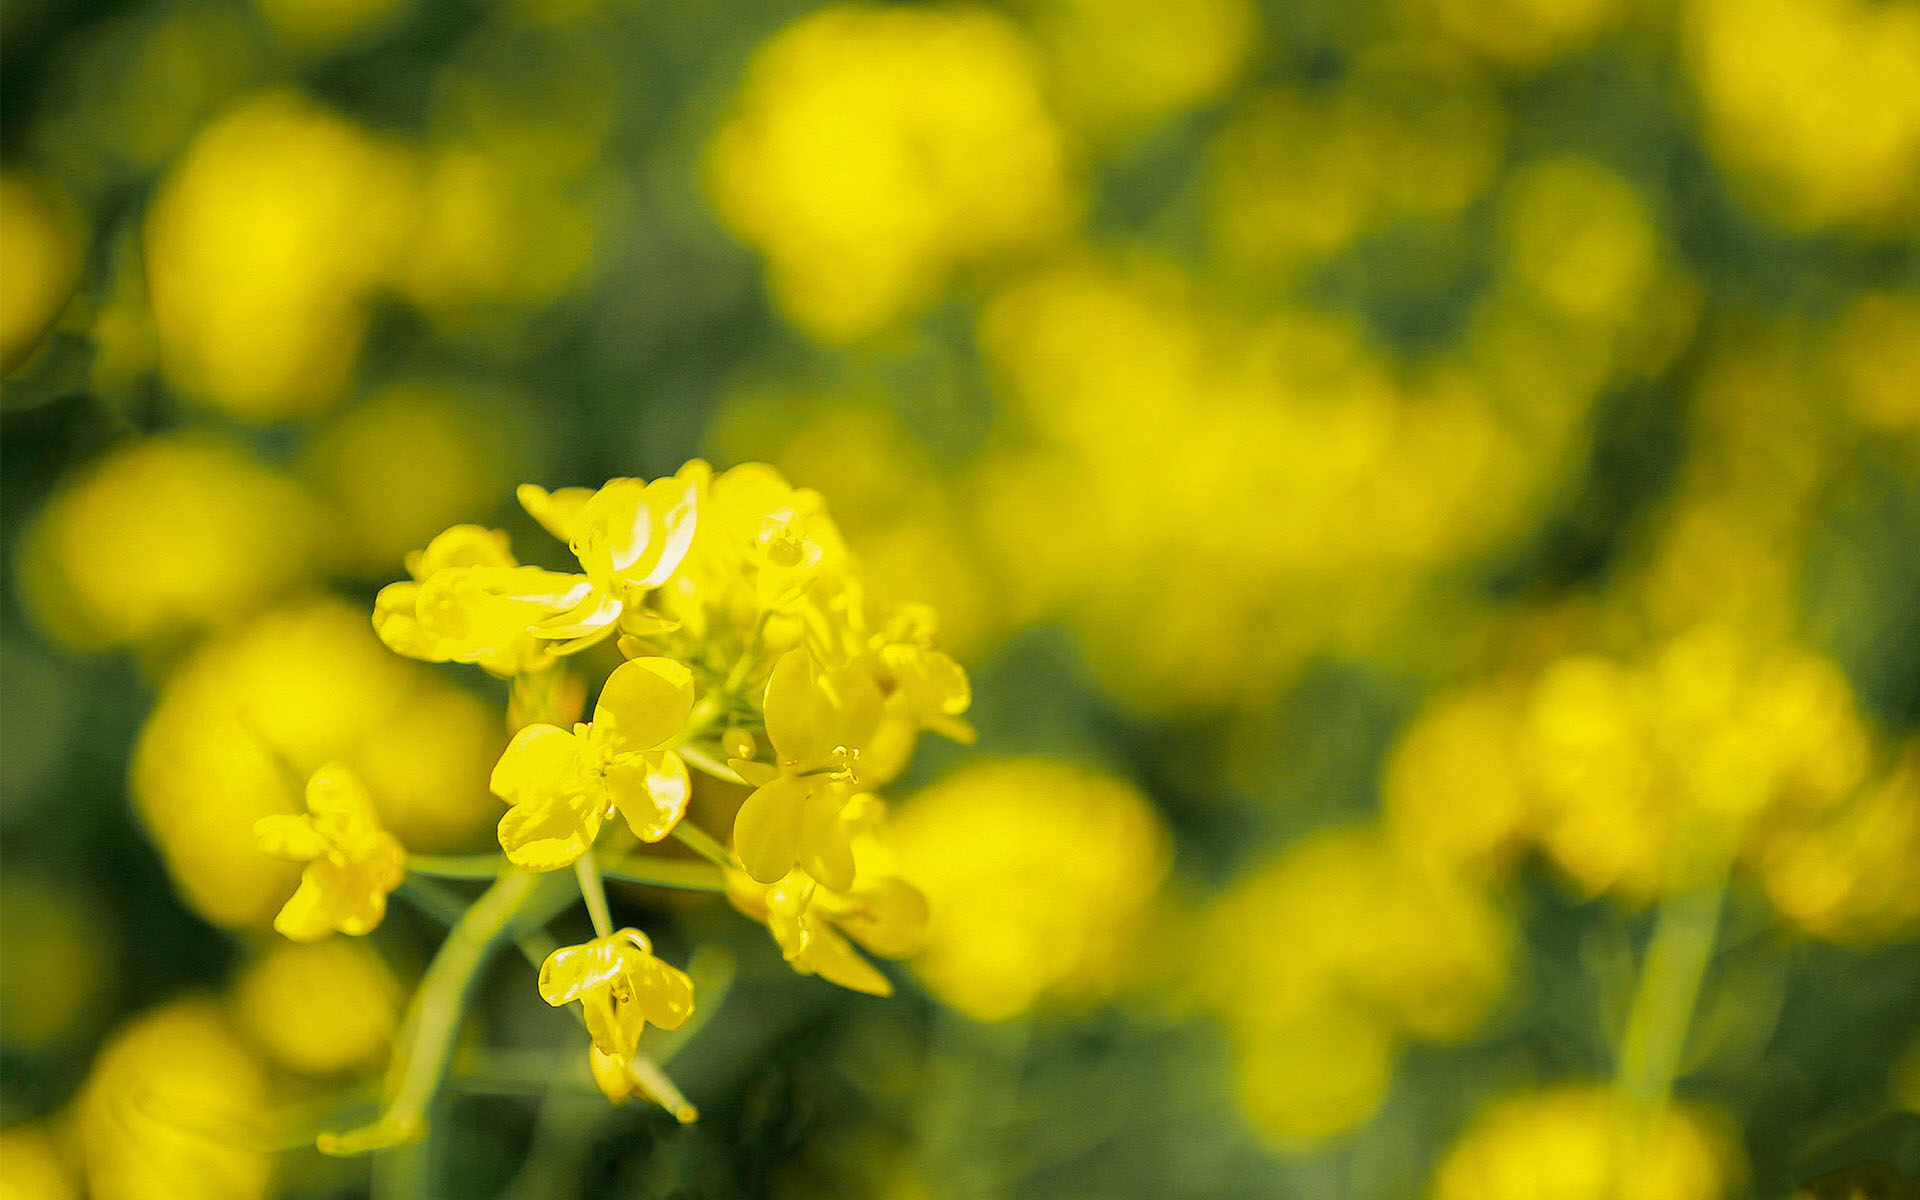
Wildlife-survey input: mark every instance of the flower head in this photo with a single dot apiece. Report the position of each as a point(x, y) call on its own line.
point(352, 863)
point(562, 785)
point(471, 601)
point(817, 720)
point(621, 987)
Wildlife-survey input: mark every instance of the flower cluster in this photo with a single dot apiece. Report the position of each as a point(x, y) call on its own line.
point(749, 651)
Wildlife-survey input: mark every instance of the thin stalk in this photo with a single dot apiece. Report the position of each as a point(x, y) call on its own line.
point(433, 1019)
point(1671, 975)
point(703, 843)
point(707, 764)
point(457, 866)
point(594, 893)
point(678, 874)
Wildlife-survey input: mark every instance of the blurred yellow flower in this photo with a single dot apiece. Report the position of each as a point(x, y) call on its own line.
point(34, 1165)
point(325, 26)
point(1122, 64)
point(351, 862)
point(43, 243)
point(56, 960)
point(1813, 108)
point(264, 244)
point(1526, 34)
point(164, 536)
point(1455, 794)
point(1577, 1142)
point(561, 785)
point(1580, 238)
point(1038, 876)
point(876, 149)
point(1876, 352)
point(621, 987)
point(410, 460)
point(303, 685)
point(1314, 1075)
point(318, 1008)
point(172, 1107)
point(1852, 875)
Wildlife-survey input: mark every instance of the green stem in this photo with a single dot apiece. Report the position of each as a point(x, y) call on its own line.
point(594, 893)
point(678, 874)
point(457, 866)
point(433, 1018)
point(1671, 976)
point(702, 843)
point(707, 764)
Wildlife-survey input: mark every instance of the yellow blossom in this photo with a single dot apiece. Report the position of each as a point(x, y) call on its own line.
point(817, 721)
point(352, 863)
point(562, 785)
point(630, 537)
point(812, 923)
point(621, 987)
point(1575, 1143)
point(471, 601)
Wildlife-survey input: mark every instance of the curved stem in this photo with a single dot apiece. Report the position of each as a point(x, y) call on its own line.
point(434, 1016)
point(457, 866)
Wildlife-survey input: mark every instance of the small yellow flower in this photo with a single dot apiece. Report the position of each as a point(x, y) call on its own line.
point(630, 537)
point(922, 683)
point(471, 601)
point(812, 923)
point(622, 988)
point(352, 863)
point(817, 721)
point(562, 785)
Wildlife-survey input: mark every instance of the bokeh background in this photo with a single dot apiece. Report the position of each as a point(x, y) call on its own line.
point(1428, 490)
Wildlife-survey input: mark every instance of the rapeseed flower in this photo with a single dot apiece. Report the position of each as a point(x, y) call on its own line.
point(561, 785)
point(351, 861)
point(621, 988)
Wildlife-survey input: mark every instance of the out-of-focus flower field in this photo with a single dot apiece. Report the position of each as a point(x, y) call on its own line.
point(1427, 492)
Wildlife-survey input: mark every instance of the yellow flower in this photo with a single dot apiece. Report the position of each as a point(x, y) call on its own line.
point(352, 863)
point(562, 785)
point(1573, 1142)
point(630, 537)
point(817, 721)
point(621, 988)
point(812, 923)
point(920, 682)
point(779, 535)
point(471, 601)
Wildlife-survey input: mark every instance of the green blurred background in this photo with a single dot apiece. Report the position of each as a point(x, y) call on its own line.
point(1428, 491)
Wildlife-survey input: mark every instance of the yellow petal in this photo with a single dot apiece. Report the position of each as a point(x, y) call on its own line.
point(463, 546)
point(766, 833)
point(651, 792)
point(547, 835)
point(336, 794)
point(833, 958)
point(889, 918)
point(593, 617)
point(554, 510)
point(307, 915)
point(663, 992)
point(826, 849)
point(571, 970)
point(644, 705)
point(397, 624)
point(540, 763)
point(673, 505)
point(796, 713)
point(289, 837)
point(610, 1075)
